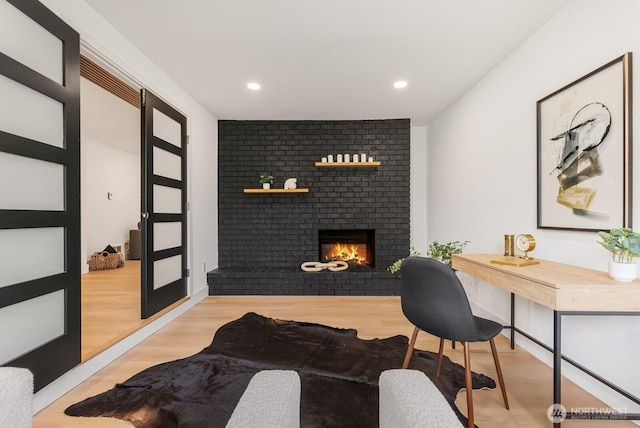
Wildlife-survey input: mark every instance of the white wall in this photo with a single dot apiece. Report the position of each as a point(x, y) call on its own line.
point(109, 170)
point(482, 180)
point(419, 204)
point(110, 163)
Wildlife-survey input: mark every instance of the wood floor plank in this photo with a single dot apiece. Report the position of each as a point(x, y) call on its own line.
point(528, 381)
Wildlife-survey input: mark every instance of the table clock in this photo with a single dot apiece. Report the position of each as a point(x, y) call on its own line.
point(526, 243)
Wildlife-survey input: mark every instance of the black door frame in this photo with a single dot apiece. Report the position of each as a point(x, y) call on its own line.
point(50, 360)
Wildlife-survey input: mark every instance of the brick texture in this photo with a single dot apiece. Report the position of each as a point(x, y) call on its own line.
point(263, 238)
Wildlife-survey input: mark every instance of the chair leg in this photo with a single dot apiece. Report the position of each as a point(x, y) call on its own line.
point(467, 382)
point(440, 357)
point(412, 342)
point(499, 370)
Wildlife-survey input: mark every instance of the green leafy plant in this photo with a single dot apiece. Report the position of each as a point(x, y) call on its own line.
point(440, 252)
point(266, 177)
point(622, 243)
point(444, 252)
point(395, 266)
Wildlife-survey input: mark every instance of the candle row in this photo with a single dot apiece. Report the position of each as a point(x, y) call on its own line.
point(347, 158)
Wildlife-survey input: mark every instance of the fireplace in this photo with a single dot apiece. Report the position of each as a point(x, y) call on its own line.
point(355, 246)
point(264, 238)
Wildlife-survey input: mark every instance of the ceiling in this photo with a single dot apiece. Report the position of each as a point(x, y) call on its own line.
point(329, 59)
point(108, 119)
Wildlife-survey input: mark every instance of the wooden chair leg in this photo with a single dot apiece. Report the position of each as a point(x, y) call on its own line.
point(467, 382)
point(499, 370)
point(412, 342)
point(440, 357)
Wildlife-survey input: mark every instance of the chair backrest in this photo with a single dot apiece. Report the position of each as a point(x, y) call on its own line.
point(434, 300)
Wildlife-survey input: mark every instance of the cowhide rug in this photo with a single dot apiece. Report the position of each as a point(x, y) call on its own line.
point(338, 372)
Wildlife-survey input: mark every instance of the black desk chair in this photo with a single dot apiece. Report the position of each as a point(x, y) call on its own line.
point(434, 301)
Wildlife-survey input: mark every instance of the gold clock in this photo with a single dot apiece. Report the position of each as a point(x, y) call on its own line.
point(525, 242)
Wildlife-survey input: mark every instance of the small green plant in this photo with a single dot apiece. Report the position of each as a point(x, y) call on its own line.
point(440, 252)
point(395, 267)
point(444, 252)
point(265, 177)
point(622, 243)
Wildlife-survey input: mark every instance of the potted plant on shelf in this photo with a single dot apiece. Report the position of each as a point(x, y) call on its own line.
point(440, 252)
point(266, 180)
point(623, 245)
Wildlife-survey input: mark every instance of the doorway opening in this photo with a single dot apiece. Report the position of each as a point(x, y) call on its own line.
point(110, 206)
point(133, 161)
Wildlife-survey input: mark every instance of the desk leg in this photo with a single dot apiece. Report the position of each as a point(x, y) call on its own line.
point(513, 321)
point(557, 360)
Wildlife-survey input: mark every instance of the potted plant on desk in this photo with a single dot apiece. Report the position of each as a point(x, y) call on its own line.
point(266, 179)
point(623, 244)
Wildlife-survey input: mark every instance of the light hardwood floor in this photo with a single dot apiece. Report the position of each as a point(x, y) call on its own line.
point(110, 307)
point(528, 381)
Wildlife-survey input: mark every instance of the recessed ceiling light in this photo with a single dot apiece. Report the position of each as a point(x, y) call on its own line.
point(400, 84)
point(253, 86)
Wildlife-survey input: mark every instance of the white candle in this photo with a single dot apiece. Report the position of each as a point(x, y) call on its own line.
point(324, 160)
point(356, 158)
point(346, 158)
point(363, 157)
point(370, 159)
point(330, 158)
point(339, 157)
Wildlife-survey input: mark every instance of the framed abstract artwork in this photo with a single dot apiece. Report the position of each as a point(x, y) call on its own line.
point(584, 151)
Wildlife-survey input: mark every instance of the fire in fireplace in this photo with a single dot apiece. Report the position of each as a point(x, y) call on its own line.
point(354, 246)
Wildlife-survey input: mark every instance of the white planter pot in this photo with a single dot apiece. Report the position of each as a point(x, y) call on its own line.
point(623, 271)
point(266, 185)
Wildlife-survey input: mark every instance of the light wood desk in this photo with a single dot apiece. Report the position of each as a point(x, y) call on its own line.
point(568, 290)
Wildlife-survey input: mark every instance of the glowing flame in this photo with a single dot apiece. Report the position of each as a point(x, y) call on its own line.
point(354, 253)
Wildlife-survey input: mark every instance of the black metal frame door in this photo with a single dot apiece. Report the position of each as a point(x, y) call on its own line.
point(164, 204)
point(45, 291)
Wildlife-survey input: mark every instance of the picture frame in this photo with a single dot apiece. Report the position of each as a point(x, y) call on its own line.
point(584, 146)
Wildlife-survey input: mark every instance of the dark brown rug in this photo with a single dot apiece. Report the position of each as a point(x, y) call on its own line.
point(338, 372)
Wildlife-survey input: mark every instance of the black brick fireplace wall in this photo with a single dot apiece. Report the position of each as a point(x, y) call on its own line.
point(263, 238)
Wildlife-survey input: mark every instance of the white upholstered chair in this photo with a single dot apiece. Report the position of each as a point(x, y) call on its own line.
point(16, 397)
point(271, 400)
point(408, 399)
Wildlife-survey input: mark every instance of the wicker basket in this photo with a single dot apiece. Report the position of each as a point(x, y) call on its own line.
point(104, 260)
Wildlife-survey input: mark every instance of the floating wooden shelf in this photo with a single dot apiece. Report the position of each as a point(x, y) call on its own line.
point(351, 164)
point(276, 190)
